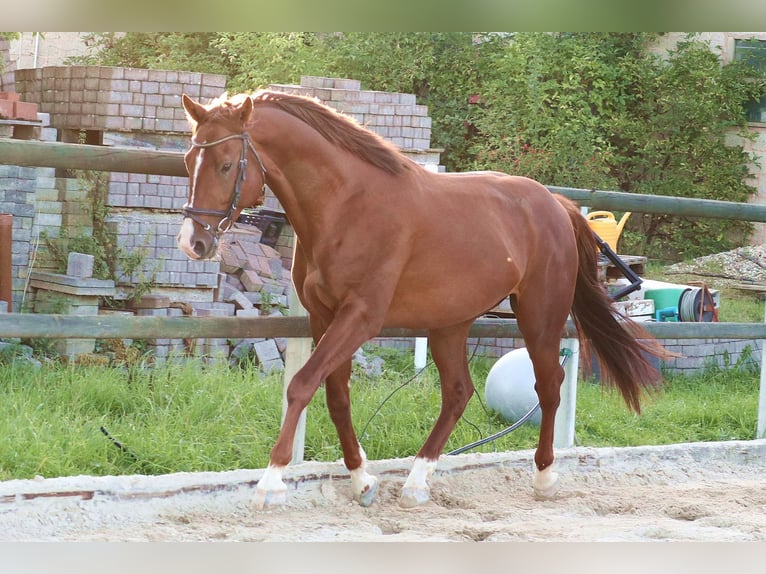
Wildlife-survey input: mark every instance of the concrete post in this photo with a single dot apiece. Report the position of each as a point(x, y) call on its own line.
point(296, 355)
point(564, 425)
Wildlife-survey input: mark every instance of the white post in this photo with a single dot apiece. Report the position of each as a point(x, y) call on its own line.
point(761, 432)
point(296, 355)
point(564, 424)
point(421, 351)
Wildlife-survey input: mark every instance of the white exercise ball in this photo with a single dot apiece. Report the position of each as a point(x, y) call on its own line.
point(510, 388)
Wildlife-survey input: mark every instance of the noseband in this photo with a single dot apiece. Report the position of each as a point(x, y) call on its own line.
point(226, 221)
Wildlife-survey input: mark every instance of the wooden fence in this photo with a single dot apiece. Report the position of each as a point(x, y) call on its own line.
point(76, 156)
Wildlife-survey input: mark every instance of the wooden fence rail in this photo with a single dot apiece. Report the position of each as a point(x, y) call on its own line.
point(34, 325)
point(28, 153)
point(103, 158)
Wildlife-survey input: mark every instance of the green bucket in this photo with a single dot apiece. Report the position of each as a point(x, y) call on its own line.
point(665, 296)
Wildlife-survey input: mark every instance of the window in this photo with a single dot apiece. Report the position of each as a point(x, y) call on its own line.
point(753, 53)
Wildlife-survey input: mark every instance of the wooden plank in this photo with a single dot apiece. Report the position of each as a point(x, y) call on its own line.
point(71, 290)
point(59, 279)
point(105, 158)
point(14, 122)
point(100, 158)
point(637, 263)
point(757, 287)
point(115, 327)
point(683, 206)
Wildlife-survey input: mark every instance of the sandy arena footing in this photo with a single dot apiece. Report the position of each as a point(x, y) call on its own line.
point(695, 491)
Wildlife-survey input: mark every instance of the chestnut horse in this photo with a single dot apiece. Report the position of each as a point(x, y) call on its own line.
point(383, 242)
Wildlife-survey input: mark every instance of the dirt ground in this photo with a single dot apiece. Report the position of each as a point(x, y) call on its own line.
point(691, 492)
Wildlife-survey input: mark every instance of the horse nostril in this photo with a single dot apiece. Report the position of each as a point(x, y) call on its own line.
point(200, 248)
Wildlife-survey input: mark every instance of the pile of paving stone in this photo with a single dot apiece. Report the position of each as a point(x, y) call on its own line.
point(256, 284)
point(742, 267)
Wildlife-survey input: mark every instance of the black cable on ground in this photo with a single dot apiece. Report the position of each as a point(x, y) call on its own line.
point(566, 353)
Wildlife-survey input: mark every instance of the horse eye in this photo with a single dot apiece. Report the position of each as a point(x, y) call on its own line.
point(226, 167)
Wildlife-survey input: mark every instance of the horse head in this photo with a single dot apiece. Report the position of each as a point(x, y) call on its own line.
point(221, 180)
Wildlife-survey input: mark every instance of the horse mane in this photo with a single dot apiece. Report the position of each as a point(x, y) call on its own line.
point(337, 128)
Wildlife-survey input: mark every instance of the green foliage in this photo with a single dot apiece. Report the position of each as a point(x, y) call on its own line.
point(257, 59)
point(187, 51)
point(589, 110)
point(50, 420)
point(10, 350)
point(601, 111)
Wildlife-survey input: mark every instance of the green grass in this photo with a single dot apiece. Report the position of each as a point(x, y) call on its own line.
point(715, 406)
point(195, 418)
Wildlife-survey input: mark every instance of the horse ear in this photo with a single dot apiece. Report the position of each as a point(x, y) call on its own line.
point(245, 110)
point(194, 110)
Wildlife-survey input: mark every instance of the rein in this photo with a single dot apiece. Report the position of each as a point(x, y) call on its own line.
point(226, 221)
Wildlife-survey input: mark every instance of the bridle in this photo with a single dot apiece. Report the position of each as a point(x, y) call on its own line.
point(226, 221)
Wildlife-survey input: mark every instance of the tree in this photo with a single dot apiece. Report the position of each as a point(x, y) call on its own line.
point(187, 51)
point(603, 111)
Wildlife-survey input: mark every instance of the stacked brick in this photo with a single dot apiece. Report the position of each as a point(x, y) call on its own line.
point(12, 108)
point(153, 234)
point(115, 99)
point(60, 203)
point(700, 354)
point(394, 116)
point(253, 267)
point(73, 293)
point(210, 349)
point(127, 107)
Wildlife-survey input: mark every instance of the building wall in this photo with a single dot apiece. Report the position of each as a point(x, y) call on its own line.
point(31, 50)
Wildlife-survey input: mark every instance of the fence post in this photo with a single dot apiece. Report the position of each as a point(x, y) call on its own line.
point(6, 260)
point(564, 424)
point(761, 431)
point(296, 355)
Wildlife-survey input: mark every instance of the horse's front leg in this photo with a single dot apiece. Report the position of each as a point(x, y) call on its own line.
point(363, 484)
point(345, 334)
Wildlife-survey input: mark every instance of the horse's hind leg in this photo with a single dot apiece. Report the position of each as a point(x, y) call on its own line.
point(363, 485)
point(449, 353)
point(541, 326)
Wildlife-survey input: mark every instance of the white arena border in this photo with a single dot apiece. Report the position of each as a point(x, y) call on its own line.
point(305, 479)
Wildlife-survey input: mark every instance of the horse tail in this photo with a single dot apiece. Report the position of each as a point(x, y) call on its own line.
point(622, 347)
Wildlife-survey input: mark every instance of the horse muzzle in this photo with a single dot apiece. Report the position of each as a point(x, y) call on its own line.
point(196, 243)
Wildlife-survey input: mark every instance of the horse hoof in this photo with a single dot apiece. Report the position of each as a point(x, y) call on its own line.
point(270, 499)
point(546, 485)
point(412, 497)
point(367, 497)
